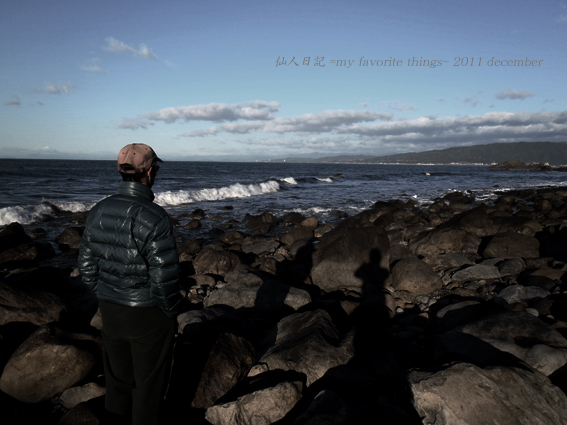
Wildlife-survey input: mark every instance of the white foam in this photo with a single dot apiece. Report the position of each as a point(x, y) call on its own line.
point(24, 214)
point(74, 207)
point(27, 214)
point(288, 180)
point(326, 179)
point(234, 191)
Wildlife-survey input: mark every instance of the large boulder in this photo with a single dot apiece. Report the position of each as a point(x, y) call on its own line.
point(466, 394)
point(215, 262)
point(476, 272)
point(259, 245)
point(296, 233)
point(26, 255)
point(520, 334)
point(266, 296)
point(441, 241)
point(265, 406)
point(475, 221)
point(415, 276)
point(264, 219)
point(76, 395)
point(70, 238)
point(44, 365)
point(38, 308)
point(308, 343)
point(352, 255)
point(230, 359)
point(511, 245)
point(12, 236)
point(524, 225)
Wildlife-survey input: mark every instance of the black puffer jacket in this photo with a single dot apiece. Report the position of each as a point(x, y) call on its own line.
point(128, 254)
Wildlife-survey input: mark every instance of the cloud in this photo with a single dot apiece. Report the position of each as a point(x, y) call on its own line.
point(14, 102)
point(488, 128)
point(399, 106)
point(322, 122)
point(216, 112)
point(472, 101)
point(510, 93)
point(56, 88)
point(95, 69)
point(114, 45)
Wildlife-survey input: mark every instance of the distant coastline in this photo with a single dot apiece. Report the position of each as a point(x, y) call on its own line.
point(552, 153)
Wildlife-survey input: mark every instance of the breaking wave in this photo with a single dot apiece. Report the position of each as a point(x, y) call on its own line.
point(216, 194)
point(28, 214)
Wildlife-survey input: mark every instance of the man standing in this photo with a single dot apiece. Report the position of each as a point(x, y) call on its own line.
point(129, 258)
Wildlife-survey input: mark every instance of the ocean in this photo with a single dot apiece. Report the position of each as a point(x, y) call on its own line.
point(48, 194)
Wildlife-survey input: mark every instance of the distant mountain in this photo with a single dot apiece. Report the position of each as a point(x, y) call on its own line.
point(554, 153)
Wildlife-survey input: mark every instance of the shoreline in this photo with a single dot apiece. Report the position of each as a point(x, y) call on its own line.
point(388, 298)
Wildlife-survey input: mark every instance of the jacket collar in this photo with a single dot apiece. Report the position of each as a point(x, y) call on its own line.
point(135, 189)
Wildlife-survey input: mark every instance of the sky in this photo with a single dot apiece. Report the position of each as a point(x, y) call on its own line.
point(247, 80)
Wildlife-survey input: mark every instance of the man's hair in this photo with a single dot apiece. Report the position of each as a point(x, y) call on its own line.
point(136, 178)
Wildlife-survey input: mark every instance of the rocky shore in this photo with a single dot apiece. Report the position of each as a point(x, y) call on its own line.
point(452, 312)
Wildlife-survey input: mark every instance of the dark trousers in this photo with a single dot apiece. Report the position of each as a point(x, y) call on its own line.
point(137, 355)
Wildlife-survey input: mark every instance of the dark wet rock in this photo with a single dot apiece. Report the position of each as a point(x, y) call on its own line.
point(496, 337)
point(293, 218)
point(265, 219)
point(260, 245)
point(26, 255)
point(215, 262)
point(213, 320)
point(475, 221)
point(305, 342)
point(510, 266)
point(198, 213)
point(450, 260)
point(321, 230)
point(70, 238)
point(229, 360)
point(326, 409)
point(73, 396)
point(539, 280)
point(464, 393)
point(475, 272)
point(517, 293)
point(266, 264)
point(310, 222)
point(458, 314)
point(12, 236)
point(352, 255)
point(80, 414)
point(265, 406)
point(46, 364)
point(38, 308)
point(296, 233)
point(266, 296)
point(523, 225)
point(188, 249)
point(511, 245)
point(201, 280)
point(441, 241)
point(193, 225)
point(232, 237)
point(415, 276)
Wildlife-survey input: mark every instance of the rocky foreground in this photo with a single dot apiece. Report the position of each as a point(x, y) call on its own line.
point(451, 313)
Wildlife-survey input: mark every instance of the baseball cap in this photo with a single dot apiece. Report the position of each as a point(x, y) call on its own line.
point(136, 158)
